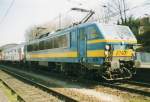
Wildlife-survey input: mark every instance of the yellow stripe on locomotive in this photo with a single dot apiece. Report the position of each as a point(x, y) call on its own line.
point(90, 53)
point(112, 41)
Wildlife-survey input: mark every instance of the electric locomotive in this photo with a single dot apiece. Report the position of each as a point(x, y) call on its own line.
point(106, 50)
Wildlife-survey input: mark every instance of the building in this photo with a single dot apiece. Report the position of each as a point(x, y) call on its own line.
point(7, 46)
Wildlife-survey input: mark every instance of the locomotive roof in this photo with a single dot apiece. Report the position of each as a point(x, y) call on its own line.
point(57, 33)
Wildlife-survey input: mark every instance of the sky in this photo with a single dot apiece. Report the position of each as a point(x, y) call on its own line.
point(25, 13)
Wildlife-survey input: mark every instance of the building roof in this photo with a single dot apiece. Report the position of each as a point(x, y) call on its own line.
point(8, 46)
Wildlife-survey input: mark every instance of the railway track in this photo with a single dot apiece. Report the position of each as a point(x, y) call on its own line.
point(30, 91)
point(138, 83)
point(130, 86)
point(76, 94)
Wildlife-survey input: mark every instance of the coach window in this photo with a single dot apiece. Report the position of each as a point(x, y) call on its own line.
point(92, 32)
point(60, 44)
point(56, 42)
point(28, 48)
point(19, 50)
point(63, 41)
point(49, 44)
point(66, 40)
point(31, 48)
point(41, 45)
point(35, 45)
point(46, 44)
point(52, 43)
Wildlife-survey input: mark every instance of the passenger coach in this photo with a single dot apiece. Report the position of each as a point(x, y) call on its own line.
point(13, 54)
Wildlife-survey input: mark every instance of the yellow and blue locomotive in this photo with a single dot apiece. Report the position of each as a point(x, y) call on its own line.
point(102, 49)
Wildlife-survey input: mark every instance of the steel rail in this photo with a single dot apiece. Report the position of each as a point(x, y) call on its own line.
point(19, 97)
point(138, 83)
point(127, 89)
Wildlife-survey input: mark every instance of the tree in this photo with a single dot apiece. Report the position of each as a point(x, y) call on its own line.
point(144, 39)
point(34, 32)
point(30, 33)
point(118, 6)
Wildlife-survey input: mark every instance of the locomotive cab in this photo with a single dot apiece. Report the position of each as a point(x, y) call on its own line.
point(119, 60)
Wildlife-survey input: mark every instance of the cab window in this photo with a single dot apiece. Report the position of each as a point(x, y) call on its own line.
point(41, 47)
point(91, 32)
point(82, 34)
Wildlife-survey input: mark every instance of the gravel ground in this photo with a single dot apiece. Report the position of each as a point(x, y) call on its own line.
point(98, 92)
point(128, 97)
point(3, 98)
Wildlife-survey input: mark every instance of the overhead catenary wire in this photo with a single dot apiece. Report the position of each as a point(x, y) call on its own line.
point(114, 14)
point(7, 11)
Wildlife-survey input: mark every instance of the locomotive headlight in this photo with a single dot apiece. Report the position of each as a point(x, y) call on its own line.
point(107, 47)
point(106, 53)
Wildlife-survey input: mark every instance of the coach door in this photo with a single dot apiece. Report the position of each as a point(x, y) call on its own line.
point(82, 44)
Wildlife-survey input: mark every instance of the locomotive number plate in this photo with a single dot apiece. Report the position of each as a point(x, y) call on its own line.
point(123, 53)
